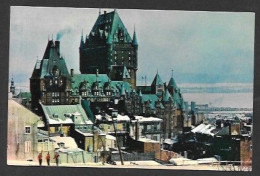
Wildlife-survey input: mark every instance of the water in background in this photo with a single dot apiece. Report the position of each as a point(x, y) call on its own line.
point(236, 100)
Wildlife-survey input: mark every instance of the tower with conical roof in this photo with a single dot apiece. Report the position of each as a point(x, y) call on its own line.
point(172, 86)
point(157, 85)
point(109, 48)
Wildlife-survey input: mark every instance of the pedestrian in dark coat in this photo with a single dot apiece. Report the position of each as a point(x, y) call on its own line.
point(56, 157)
point(48, 158)
point(40, 158)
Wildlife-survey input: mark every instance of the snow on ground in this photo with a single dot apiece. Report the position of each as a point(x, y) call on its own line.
point(137, 165)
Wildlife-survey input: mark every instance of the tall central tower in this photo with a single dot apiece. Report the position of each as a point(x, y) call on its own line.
point(109, 49)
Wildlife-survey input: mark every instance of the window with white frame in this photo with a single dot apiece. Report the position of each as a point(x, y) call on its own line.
point(27, 129)
point(27, 146)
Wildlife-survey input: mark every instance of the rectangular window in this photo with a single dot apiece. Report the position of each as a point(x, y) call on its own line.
point(27, 146)
point(56, 129)
point(27, 130)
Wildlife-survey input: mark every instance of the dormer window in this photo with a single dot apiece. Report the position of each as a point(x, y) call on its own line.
point(84, 93)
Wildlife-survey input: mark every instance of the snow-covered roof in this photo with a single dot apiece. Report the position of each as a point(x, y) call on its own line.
point(147, 119)
point(83, 133)
point(123, 118)
point(143, 139)
point(110, 137)
point(198, 128)
point(204, 129)
point(64, 114)
point(168, 141)
point(118, 118)
point(69, 142)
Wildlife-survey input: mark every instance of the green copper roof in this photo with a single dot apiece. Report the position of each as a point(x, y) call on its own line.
point(26, 95)
point(177, 100)
point(102, 79)
point(109, 40)
point(125, 73)
point(172, 83)
point(122, 91)
point(135, 39)
point(108, 25)
point(166, 96)
point(157, 80)
point(50, 59)
point(117, 86)
point(152, 98)
point(61, 114)
point(89, 78)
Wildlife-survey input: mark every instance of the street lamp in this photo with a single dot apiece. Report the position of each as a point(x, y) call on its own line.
point(114, 116)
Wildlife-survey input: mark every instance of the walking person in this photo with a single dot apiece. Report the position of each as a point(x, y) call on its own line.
point(40, 158)
point(48, 158)
point(56, 157)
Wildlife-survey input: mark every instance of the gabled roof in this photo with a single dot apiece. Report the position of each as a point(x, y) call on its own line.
point(50, 59)
point(107, 26)
point(126, 75)
point(157, 80)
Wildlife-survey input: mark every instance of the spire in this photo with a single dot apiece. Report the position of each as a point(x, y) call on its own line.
point(81, 40)
point(172, 82)
point(157, 80)
point(135, 39)
point(86, 39)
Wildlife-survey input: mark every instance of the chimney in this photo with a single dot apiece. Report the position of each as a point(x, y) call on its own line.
point(57, 46)
point(71, 72)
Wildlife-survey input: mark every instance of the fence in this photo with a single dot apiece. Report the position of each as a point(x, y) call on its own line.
point(76, 157)
point(134, 156)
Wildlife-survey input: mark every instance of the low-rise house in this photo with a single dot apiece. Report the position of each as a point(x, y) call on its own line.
point(68, 150)
point(22, 132)
point(122, 123)
point(148, 127)
point(63, 119)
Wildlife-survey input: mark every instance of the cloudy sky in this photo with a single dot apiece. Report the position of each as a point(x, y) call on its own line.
point(201, 47)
